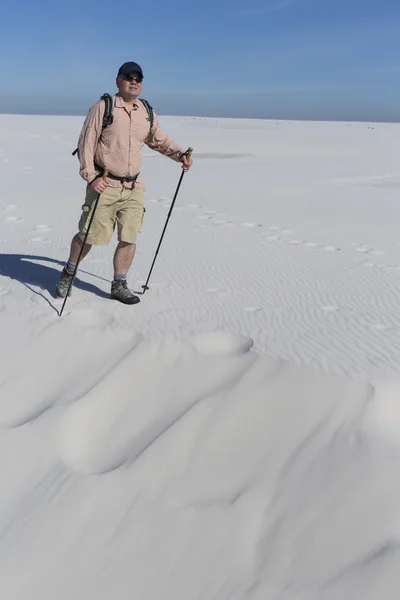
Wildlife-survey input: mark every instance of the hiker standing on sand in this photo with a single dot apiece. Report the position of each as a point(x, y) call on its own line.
point(117, 149)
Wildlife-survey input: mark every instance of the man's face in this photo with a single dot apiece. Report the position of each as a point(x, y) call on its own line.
point(130, 85)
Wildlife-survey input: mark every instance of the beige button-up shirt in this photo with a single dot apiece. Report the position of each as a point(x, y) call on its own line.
point(119, 147)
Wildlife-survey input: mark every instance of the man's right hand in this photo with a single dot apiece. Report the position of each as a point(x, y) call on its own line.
point(98, 185)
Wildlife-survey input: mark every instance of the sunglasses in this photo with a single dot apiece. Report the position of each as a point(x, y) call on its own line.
point(131, 78)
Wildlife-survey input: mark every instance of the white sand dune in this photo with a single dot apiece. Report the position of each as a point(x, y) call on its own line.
point(236, 435)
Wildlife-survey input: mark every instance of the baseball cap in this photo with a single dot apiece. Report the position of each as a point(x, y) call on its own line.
point(128, 67)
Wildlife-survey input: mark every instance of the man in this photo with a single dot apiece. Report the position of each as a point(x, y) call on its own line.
point(117, 149)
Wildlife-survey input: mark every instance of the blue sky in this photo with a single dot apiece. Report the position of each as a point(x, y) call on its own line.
point(280, 59)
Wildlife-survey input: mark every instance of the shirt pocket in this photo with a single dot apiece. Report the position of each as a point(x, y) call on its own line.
point(140, 131)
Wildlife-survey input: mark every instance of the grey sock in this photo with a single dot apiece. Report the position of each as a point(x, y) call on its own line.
point(70, 267)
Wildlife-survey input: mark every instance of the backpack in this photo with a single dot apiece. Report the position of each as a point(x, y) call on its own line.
point(109, 117)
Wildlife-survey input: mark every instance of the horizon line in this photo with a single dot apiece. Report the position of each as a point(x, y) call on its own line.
point(192, 116)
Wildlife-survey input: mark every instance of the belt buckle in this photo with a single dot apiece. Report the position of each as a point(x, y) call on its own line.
point(128, 179)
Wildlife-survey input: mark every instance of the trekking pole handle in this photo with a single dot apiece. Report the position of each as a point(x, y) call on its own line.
point(188, 153)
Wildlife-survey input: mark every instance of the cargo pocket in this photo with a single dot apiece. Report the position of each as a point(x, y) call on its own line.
point(85, 217)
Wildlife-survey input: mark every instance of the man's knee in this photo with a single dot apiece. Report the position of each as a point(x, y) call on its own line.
point(127, 245)
point(79, 239)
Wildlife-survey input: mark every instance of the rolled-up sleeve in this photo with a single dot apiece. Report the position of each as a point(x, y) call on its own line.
point(88, 139)
point(158, 140)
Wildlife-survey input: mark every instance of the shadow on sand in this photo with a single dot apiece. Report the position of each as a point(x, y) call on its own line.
point(25, 269)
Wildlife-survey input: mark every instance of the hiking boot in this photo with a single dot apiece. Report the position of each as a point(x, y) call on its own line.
point(63, 284)
point(121, 292)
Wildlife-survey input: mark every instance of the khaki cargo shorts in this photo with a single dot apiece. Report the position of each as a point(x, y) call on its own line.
point(117, 206)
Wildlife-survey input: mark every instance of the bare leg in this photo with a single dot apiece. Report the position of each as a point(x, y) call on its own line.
point(123, 257)
point(76, 246)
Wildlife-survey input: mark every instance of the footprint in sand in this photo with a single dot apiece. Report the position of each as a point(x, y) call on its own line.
point(295, 242)
point(40, 240)
point(275, 228)
point(331, 249)
point(220, 293)
point(270, 237)
point(311, 245)
point(43, 228)
point(224, 294)
point(14, 219)
point(380, 327)
point(12, 207)
point(203, 217)
point(251, 308)
point(370, 265)
point(330, 308)
point(251, 224)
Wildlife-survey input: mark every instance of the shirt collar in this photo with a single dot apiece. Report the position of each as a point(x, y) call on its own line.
point(120, 102)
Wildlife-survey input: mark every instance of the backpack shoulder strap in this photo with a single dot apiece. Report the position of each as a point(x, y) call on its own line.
point(108, 116)
point(150, 113)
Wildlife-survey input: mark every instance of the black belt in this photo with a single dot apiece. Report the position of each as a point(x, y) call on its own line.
point(111, 176)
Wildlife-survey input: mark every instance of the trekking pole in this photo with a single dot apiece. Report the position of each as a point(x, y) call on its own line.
point(145, 287)
point(104, 176)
